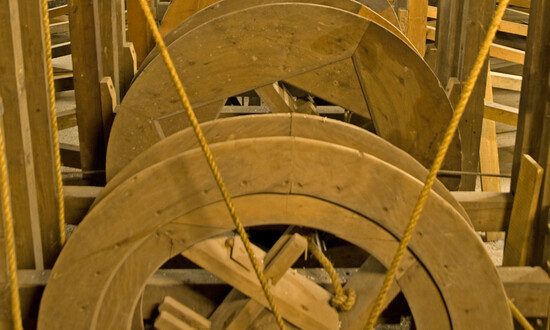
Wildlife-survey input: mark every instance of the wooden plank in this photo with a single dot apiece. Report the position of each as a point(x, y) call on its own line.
point(416, 32)
point(87, 69)
point(184, 314)
point(515, 15)
point(518, 250)
point(18, 139)
point(127, 58)
point(489, 211)
point(528, 288)
point(521, 3)
point(506, 81)
point(533, 136)
point(108, 104)
point(507, 53)
point(4, 272)
point(501, 113)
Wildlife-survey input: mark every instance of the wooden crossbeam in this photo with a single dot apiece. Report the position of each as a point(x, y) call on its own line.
point(506, 81)
point(501, 113)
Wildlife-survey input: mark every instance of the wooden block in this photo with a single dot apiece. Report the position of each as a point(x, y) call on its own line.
point(501, 113)
point(184, 314)
point(489, 211)
point(167, 321)
point(518, 248)
point(528, 288)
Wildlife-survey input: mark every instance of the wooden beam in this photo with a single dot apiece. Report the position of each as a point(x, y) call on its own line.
point(61, 49)
point(87, 68)
point(507, 53)
point(61, 27)
point(58, 11)
point(489, 211)
point(167, 321)
point(518, 250)
point(183, 314)
point(138, 32)
point(277, 98)
point(109, 35)
point(533, 135)
point(66, 119)
point(501, 113)
point(70, 155)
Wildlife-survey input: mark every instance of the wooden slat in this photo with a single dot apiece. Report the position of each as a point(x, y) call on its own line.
point(518, 250)
point(61, 49)
point(66, 119)
point(277, 98)
point(506, 81)
point(61, 27)
point(58, 11)
point(70, 155)
point(87, 70)
point(167, 321)
point(507, 53)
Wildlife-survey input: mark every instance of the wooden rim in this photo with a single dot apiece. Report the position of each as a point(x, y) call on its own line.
point(116, 235)
point(300, 125)
point(413, 119)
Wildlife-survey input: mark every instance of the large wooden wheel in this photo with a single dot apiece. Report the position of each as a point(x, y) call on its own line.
point(174, 207)
point(301, 44)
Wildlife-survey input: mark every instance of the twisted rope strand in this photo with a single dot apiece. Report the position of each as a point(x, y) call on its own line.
point(210, 159)
point(53, 123)
point(449, 133)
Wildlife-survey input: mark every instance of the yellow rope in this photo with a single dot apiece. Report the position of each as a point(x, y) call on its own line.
point(53, 120)
point(519, 317)
point(343, 300)
point(209, 158)
point(464, 97)
point(10, 236)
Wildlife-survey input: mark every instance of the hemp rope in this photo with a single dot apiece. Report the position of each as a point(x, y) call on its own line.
point(53, 121)
point(464, 97)
point(10, 236)
point(209, 158)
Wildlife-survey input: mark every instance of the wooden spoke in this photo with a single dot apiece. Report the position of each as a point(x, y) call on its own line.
point(415, 126)
point(287, 181)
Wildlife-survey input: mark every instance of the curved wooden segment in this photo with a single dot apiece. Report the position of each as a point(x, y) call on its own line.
point(115, 258)
point(384, 9)
point(299, 125)
point(306, 37)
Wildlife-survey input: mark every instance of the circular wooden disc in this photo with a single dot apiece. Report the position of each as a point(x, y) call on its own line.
point(300, 125)
point(407, 104)
point(146, 220)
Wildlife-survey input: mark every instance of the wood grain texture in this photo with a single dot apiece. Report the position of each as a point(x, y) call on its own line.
point(463, 279)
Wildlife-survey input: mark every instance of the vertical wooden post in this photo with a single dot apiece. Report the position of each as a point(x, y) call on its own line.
point(109, 42)
point(416, 18)
point(18, 140)
point(87, 68)
point(38, 102)
point(127, 57)
point(461, 28)
point(533, 135)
